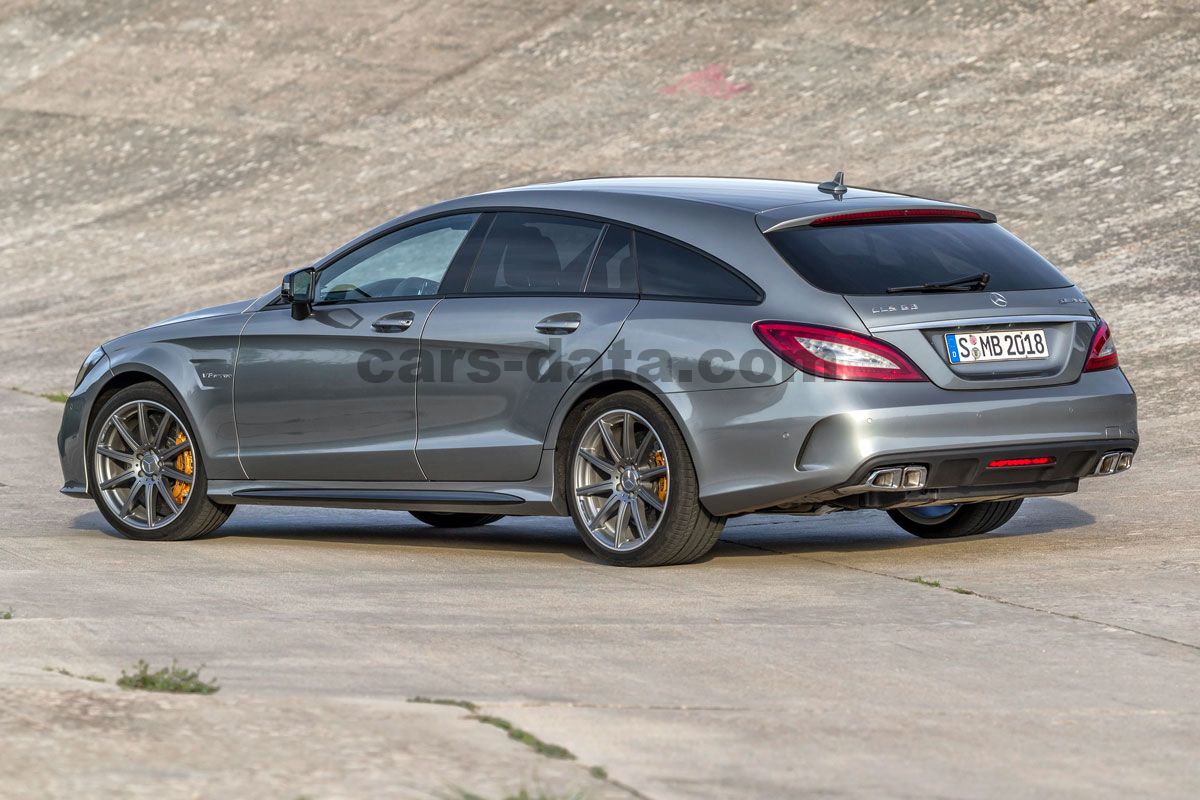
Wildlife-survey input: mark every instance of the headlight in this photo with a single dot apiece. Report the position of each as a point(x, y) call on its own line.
point(92, 360)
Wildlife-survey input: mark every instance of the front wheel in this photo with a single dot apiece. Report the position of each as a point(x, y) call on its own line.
point(952, 521)
point(147, 476)
point(632, 487)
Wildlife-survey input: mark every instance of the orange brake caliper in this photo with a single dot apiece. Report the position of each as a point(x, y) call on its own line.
point(660, 460)
point(185, 462)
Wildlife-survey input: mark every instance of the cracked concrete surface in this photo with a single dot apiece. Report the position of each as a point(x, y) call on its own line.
point(798, 660)
point(157, 156)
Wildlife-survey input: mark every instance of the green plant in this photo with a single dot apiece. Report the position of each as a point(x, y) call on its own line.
point(69, 674)
point(168, 679)
point(523, 794)
point(441, 701)
point(7, 614)
point(923, 582)
point(526, 738)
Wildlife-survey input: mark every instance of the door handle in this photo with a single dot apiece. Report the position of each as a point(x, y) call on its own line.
point(559, 324)
point(394, 323)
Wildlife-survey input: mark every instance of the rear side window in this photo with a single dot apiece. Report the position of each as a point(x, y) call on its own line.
point(870, 259)
point(534, 253)
point(670, 270)
point(614, 271)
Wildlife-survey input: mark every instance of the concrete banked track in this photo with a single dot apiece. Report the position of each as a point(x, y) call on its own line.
point(159, 156)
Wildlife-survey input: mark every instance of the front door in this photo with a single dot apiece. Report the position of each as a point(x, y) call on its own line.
point(332, 397)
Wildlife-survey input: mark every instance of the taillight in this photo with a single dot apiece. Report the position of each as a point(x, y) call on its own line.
point(837, 354)
point(1103, 352)
point(893, 214)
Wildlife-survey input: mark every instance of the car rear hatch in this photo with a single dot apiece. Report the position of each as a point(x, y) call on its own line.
point(1026, 326)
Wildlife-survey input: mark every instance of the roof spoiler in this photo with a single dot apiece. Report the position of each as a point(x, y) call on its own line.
point(779, 219)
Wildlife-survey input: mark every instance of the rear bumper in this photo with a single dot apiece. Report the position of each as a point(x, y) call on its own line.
point(792, 444)
point(966, 475)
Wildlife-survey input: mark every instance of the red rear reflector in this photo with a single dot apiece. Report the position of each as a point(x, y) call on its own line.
point(891, 214)
point(1038, 461)
point(837, 354)
point(1103, 352)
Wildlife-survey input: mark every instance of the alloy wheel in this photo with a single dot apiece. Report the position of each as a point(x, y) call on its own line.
point(620, 475)
point(144, 464)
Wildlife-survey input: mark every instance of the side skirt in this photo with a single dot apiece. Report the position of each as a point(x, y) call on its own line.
point(527, 498)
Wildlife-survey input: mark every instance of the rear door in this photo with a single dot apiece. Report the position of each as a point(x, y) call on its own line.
point(498, 358)
point(1027, 327)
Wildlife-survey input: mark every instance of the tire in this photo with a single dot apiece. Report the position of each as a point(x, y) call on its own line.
point(117, 472)
point(970, 519)
point(449, 519)
point(630, 531)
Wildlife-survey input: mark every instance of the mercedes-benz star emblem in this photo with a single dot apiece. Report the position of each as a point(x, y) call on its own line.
point(999, 299)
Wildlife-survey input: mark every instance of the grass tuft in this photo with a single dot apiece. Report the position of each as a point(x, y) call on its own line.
point(600, 773)
point(445, 701)
point(7, 614)
point(961, 590)
point(69, 674)
point(526, 738)
point(524, 794)
point(168, 679)
point(924, 582)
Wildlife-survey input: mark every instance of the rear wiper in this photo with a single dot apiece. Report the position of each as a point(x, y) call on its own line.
point(970, 283)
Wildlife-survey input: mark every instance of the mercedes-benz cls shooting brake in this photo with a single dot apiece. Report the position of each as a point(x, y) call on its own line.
point(649, 356)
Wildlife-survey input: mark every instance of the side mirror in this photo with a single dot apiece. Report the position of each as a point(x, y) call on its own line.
point(297, 289)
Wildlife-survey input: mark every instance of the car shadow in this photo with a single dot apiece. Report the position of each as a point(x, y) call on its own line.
point(752, 535)
point(869, 531)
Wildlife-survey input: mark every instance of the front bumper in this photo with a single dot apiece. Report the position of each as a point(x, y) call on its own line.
point(792, 444)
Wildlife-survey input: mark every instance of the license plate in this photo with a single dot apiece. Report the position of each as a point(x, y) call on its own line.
point(973, 347)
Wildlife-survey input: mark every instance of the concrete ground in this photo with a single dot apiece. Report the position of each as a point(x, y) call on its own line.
point(1058, 657)
point(157, 156)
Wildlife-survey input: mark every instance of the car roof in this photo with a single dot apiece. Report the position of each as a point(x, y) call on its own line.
point(754, 195)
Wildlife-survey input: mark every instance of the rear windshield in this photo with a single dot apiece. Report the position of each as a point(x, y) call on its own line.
point(870, 259)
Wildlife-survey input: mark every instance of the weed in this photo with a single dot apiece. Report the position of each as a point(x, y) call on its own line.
point(53, 397)
point(526, 738)
point(600, 773)
point(442, 701)
point(524, 794)
point(168, 679)
point(69, 674)
point(923, 582)
point(961, 590)
point(7, 614)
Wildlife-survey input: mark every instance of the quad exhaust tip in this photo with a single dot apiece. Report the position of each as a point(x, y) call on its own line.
point(1113, 462)
point(898, 479)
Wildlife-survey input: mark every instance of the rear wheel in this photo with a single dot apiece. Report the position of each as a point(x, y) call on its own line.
point(147, 476)
point(632, 487)
point(450, 519)
point(952, 521)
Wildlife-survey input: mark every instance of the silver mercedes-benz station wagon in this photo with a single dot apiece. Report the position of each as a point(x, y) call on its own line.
point(650, 356)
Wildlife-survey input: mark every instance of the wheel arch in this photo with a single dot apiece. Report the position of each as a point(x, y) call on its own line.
point(122, 377)
point(586, 392)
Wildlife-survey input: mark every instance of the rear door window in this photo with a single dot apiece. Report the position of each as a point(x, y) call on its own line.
point(529, 253)
point(870, 259)
point(669, 270)
point(614, 271)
